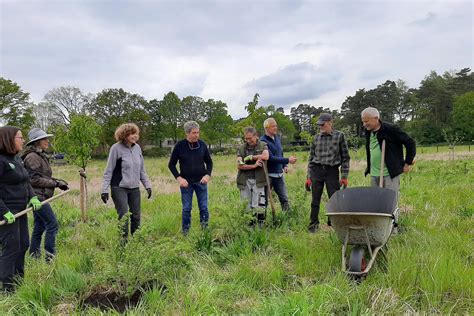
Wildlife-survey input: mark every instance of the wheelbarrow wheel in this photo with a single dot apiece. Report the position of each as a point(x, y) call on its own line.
point(357, 260)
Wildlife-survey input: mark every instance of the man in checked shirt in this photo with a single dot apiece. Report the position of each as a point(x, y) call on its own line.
point(328, 152)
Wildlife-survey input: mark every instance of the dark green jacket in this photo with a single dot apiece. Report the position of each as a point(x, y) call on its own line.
point(242, 176)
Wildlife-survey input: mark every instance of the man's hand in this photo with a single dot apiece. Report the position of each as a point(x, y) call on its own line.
point(63, 185)
point(104, 197)
point(205, 179)
point(240, 161)
point(182, 182)
point(344, 183)
point(9, 217)
point(307, 184)
point(34, 203)
point(406, 168)
point(259, 163)
point(292, 159)
point(148, 190)
point(285, 169)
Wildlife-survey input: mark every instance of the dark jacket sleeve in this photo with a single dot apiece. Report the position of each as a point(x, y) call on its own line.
point(208, 160)
point(33, 163)
point(3, 208)
point(409, 144)
point(173, 161)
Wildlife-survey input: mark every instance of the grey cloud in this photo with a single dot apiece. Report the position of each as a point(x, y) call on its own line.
point(304, 46)
point(295, 83)
point(428, 19)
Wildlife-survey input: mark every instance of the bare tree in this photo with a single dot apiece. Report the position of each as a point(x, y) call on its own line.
point(65, 101)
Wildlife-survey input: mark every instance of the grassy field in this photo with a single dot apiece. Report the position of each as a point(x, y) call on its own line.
point(232, 269)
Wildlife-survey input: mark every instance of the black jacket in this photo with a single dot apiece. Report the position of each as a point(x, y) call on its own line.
point(15, 187)
point(395, 139)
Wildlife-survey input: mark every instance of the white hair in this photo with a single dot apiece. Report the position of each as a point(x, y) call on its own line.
point(267, 122)
point(371, 112)
point(188, 126)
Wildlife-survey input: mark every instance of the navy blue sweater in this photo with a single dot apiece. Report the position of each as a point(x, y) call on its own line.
point(194, 161)
point(276, 161)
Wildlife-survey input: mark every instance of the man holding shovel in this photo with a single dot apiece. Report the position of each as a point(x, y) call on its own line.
point(251, 178)
point(395, 164)
point(277, 164)
point(328, 151)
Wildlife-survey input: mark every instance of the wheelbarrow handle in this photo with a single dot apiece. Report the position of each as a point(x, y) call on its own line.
point(29, 209)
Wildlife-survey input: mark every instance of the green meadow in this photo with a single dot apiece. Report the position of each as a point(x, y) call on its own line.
point(234, 269)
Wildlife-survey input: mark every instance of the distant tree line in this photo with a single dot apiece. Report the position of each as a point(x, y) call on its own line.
point(441, 107)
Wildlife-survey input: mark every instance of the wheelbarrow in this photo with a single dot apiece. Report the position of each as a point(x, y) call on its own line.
point(363, 219)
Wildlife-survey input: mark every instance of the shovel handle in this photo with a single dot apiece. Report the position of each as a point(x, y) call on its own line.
point(29, 209)
point(382, 163)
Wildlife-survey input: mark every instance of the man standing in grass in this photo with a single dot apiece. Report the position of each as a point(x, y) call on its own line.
point(277, 164)
point(195, 166)
point(251, 176)
point(328, 151)
point(395, 139)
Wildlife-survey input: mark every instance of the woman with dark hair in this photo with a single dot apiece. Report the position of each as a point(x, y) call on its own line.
point(39, 168)
point(123, 174)
point(16, 194)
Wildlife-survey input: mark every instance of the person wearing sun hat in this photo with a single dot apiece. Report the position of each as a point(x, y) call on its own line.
point(37, 163)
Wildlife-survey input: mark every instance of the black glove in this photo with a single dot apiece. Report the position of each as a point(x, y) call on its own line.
point(104, 197)
point(148, 190)
point(62, 184)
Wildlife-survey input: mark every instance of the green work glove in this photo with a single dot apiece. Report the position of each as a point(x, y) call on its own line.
point(9, 217)
point(249, 158)
point(35, 203)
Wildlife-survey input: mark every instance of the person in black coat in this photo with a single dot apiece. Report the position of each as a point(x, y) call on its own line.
point(395, 139)
point(16, 194)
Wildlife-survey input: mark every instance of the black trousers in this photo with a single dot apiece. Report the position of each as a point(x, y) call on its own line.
point(14, 242)
point(322, 175)
point(126, 200)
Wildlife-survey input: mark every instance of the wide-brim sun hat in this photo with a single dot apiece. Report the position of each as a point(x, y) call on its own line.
point(37, 134)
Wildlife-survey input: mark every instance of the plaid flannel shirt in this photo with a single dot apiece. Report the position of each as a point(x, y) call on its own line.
point(330, 149)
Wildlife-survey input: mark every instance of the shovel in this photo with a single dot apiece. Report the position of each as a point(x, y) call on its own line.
point(29, 209)
point(269, 191)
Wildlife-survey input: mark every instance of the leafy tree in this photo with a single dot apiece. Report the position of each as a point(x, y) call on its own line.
point(170, 111)
point(78, 141)
point(463, 115)
point(216, 127)
point(113, 107)
point(15, 106)
point(192, 109)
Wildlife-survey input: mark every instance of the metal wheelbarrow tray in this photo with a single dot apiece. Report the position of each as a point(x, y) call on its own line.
point(363, 218)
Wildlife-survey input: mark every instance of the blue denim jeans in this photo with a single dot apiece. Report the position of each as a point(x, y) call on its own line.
point(278, 184)
point(44, 221)
point(187, 200)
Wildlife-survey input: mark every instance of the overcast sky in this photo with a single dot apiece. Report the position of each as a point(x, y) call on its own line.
point(290, 52)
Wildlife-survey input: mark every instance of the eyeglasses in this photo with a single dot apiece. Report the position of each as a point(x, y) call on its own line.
point(195, 145)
